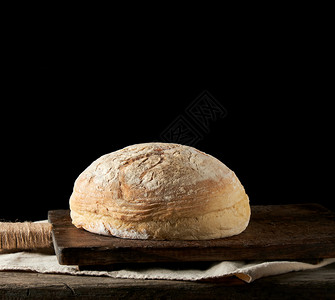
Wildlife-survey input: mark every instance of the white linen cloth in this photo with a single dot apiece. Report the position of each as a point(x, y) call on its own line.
point(247, 271)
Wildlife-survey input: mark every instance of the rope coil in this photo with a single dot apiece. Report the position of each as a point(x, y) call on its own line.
point(25, 236)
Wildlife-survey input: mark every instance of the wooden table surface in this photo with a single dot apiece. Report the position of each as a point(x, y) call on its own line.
point(311, 284)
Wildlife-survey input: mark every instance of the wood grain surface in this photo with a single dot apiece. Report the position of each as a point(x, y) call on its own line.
point(275, 232)
point(310, 284)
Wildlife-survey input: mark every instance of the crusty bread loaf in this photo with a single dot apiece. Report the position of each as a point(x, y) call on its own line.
point(160, 191)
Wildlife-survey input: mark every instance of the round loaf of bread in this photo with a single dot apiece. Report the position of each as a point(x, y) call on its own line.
point(160, 191)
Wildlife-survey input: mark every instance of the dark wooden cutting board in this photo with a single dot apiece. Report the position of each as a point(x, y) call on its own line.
point(275, 232)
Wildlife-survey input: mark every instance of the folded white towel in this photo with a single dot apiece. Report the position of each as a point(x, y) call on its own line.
point(247, 271)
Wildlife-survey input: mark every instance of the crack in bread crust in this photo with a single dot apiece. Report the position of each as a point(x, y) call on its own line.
point(187, 228)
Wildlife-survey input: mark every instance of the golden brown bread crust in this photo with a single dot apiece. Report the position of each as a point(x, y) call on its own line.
point(160, 191)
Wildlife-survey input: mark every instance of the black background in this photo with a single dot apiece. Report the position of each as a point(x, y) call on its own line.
point(66, 105)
